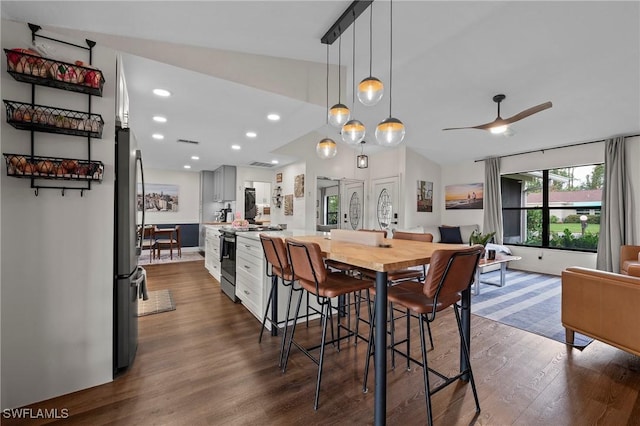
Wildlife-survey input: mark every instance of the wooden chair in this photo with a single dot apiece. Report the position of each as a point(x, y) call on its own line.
point(148, 240)
point(173, 240)
point(450, 273)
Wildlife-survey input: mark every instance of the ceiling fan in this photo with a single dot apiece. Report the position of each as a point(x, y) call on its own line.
point(500, 125)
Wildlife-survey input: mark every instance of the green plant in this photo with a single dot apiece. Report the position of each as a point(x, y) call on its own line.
point(478, 237)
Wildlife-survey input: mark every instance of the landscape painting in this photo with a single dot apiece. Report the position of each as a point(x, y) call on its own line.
point(465, 196)
point(158, 197)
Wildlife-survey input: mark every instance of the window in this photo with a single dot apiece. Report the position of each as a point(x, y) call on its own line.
point(332, 203)
point(557, 208)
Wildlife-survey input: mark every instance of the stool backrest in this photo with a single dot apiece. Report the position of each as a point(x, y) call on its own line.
point(399, 235)
point(276, 253)
point(306, 261)
point(379, 231)
point(451, 271)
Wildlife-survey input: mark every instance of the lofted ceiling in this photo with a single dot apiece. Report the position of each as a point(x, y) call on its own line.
point(230, 63)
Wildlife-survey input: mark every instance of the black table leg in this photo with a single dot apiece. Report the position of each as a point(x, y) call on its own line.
point(274, 306)
point(466, 329)
point(380, 354)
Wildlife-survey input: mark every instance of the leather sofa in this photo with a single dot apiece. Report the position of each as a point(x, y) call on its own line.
point(602, 305)
point(630, 259)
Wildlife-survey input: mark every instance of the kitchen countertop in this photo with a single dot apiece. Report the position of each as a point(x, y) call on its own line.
point(255, 235)
point(216, 223)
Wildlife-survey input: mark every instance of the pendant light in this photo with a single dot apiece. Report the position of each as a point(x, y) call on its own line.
point(327, 148)
point(370, 90)
point(339, 113)
point(362, 161)
point(390, 132)
point(353, 130)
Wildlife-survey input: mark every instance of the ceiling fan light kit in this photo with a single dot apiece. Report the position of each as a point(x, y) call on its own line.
point(500, 125)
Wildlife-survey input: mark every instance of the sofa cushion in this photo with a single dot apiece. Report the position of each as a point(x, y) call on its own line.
point(450, 234)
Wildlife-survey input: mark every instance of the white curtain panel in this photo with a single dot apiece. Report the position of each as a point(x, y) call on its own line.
point(492, 199)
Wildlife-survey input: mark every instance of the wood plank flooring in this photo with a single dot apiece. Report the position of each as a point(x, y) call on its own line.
point(202, 364)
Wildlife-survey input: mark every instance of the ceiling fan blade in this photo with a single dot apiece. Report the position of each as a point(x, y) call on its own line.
point(481, 126)
point(527, 112)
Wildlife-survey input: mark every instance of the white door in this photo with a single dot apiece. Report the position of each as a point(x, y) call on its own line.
point(352, 205)
point(384, 203)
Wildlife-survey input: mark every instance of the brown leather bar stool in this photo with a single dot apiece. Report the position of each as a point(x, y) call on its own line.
point(309, 270)
point(277, 267)
point(450, 273)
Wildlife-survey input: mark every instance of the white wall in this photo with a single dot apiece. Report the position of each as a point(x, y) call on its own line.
point(188, 197)
point(418, 168)
point(297, 220)
point(57, 252)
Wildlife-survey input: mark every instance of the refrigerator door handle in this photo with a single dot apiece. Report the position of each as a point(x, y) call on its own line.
point(140, 239)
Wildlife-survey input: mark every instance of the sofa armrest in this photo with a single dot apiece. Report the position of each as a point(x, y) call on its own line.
point(629, 253)
point(634, 270)
point(602, 305)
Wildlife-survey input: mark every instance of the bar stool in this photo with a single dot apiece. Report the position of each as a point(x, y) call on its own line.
point(450, 273)
point(276, 254)
point(308, 268)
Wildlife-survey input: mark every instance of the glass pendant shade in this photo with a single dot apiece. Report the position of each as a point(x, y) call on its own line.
point(362, 161)
point(326, 148)
point(338, 115)
point(370, 91)
point(390, 132)
point(353, 132)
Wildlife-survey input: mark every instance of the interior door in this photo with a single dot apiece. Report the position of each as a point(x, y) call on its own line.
point(384, 203)
point(352, 205)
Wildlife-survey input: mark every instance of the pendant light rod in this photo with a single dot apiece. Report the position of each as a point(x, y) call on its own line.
point(327, 114)
point(339, 70)
point(390, 53)
point(353, 70)
point(370, 42)
point(348, 17)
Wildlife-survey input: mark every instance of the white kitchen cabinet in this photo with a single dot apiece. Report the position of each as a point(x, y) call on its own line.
point(212, 251)
point(224, 183)
point(252, 283)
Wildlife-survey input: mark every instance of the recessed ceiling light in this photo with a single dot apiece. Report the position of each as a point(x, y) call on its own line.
point(273, 117)
point(274, 161)
point(161, 92)
point(159, 119)
point(236, 147)
point(251, 134)
point(157, 136)
point(195, 157)
point(186, 166)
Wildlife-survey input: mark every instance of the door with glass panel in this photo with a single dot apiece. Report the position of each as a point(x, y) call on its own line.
point(352, 205)
point(383, 211)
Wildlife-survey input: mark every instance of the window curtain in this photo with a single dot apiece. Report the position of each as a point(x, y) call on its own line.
point(616, 217)
point(492, 199)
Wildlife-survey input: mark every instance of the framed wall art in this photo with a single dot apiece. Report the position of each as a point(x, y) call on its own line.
point(278, 177)
point(298, 187)
point(158, 197)
point(425, 196)
point(465, 196)
point(288, 205)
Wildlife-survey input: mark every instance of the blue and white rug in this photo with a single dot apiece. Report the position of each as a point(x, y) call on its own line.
point(528, 301)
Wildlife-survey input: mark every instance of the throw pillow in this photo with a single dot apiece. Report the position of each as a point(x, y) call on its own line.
point(450, 234)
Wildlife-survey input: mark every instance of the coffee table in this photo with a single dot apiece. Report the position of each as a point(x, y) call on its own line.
point(502, 260)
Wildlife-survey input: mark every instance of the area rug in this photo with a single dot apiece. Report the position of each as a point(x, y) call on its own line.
point(159, 301)
point(528, 301)
point(165, 257)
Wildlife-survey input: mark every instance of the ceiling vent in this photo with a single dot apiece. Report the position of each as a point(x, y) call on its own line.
point(188, 141)
point(259, 164)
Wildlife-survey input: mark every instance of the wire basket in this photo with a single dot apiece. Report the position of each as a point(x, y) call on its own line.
point(35, 69)
point(28, 166)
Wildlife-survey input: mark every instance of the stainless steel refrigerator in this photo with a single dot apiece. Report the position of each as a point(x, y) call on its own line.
point(128, 276)
point(250, 209)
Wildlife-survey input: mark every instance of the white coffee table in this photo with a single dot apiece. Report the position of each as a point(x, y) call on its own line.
point(502, 260)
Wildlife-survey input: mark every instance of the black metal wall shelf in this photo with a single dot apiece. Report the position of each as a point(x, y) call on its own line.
point(42, 118)
point(33, 69)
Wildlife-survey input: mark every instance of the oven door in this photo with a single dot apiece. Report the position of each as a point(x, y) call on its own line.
point(228, 254)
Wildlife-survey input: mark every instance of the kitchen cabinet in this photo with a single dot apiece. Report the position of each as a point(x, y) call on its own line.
point(252, 283)
point(212, 251)
point(27, 66)
point(224, 183)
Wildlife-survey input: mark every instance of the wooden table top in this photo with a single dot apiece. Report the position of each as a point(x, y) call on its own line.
point(501, 258)
point(400, 253)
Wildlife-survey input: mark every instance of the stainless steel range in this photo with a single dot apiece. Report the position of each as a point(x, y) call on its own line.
point(228, 256)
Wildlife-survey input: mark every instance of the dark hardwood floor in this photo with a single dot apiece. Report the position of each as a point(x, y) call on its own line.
point(202, 364)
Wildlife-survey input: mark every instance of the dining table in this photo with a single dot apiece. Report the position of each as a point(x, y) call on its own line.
point(392, 254)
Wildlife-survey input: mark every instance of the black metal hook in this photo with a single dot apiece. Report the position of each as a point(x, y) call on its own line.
point(36, 191)
point(82, 192)
point(63, 191)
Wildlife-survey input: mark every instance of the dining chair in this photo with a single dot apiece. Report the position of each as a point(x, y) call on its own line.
point(451, 272)
point(277, 267)
point(172, 240)
point(309, 270)
point(148, 241)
